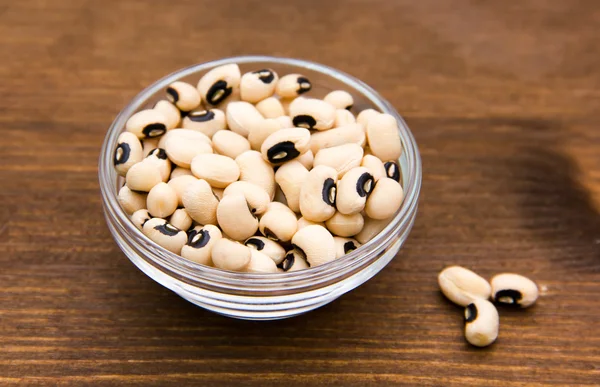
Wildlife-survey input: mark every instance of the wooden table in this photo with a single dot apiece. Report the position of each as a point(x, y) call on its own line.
point(503, 98)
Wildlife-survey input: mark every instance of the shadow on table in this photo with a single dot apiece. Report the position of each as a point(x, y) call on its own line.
point(557, 208)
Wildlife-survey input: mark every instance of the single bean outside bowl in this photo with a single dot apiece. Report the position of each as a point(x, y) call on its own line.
point(262, 296)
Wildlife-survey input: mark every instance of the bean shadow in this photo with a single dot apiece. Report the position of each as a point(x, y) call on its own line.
point(556, 208)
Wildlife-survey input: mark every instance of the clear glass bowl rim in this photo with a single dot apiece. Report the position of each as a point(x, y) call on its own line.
point(208, 277)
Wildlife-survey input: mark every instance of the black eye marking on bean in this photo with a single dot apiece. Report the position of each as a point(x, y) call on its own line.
point(304, 121)
point(202, 116)
point(270, 234)
point(159, 153)
point(218, 92)
point(304, 84)
point(122, 153)
point(172, 95)
point(349, 107)
point(364, 184)
point(471, 313)
point(392, 171)
point(257, 243)
point(282, 152)
point(349, 246)
point(265, 75)
point(328, 192)
point(198, 239)
point(154, 130)
point(502, 296)
point(287, 262)
point(167, 229)
point(299, 250)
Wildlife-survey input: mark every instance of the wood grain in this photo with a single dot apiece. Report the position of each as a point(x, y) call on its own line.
point(503, 98)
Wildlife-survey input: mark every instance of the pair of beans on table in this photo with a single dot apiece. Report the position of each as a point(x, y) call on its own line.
point(230, 164)
point(467, 289)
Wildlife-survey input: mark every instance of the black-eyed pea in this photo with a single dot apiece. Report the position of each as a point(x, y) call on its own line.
point(218, 170)
point(285, 122)
point(230, 255)
point(316, 244)
point(307, 159)
point(364, 116)
point(278, 223)
point(514, 289)
point(344, 246)
point(180, 171)
point(312, 113)
point(165, 234)
point(482, 323)
point(233, 97)
point(352, 133)
point(150, 144)
point(353, 190)
point(147, 123)
point(204, 121)
point(370, 229)
point(182, 145)
point(318, 194)
point(285, 145)
point(342, 158)
point(343, 117)
point(219, 83)
point(183, 95)
point(235, 217)
point(345, 225)
point(127, 153)
point(131, 201)
point(270, 108)
point(143, 176)
point(375, 166)
point(140, 217)
point(181, 219)
point(201, 240)
point(260, 263)
point(257, 85)
point(462, 286)
point(303, 222)
point(294, 260)
point(292, 85)
point(242, 117)
point(290, 177)
point(161, 201)
point(158, 157)
point(200, 202)
point(383, 137)
point(254, 169)
point(259, 133)
point(230, 144)
point(267, 246)
point(392, 170)
point(180, 185)
point(170, 111)
point(340, 99)
point(258, 199)
point(385, 199)
point(192, 134)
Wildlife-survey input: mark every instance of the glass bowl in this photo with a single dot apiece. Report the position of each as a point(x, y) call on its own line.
point(262, 296)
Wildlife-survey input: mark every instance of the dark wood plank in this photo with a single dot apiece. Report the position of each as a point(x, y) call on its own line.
point(502, 98)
